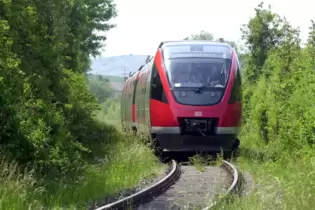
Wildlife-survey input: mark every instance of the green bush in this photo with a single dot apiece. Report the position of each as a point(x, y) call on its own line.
point(46, 107)
point(278, 133)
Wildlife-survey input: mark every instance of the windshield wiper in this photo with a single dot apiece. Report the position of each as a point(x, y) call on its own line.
point(205, 85)
point(202, 87)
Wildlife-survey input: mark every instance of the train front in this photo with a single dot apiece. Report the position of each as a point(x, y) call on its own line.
point(204, 97)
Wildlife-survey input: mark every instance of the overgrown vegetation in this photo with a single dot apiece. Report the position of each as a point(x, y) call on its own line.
point(278, 132)
point(56, 150)
point(106, 177)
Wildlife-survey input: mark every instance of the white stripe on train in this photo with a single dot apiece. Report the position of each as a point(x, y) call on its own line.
point(176, 130)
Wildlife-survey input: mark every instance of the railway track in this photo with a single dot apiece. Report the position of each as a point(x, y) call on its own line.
point(184, 187)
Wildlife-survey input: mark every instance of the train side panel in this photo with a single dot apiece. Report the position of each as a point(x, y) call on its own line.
point(122, 109)
point(147, 101)
point(124, 106)
point(138, 104)
point(127, 104)
point(133, 106)
point(141, 92)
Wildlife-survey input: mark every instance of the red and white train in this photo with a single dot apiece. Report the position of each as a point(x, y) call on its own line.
point(188, 97)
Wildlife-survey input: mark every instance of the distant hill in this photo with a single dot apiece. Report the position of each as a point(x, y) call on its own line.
point(115, 82)
point(114, 68)
point(117, 65)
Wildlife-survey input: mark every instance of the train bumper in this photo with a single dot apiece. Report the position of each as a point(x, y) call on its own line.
point(177, 142)
point(172, 139)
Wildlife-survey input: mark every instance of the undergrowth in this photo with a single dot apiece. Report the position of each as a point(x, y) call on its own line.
point(121, 168)
point(285, 182)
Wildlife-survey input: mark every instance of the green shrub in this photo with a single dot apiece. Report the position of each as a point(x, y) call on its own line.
point(278, 132)
point(46, 106)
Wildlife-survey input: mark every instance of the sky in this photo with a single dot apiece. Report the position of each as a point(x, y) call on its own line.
point(143, 24)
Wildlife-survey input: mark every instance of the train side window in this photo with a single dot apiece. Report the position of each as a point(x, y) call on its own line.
point(134, 91)
point(236, 94)
point(157, 91)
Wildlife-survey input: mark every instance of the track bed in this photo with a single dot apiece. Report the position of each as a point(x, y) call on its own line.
point(194, 189)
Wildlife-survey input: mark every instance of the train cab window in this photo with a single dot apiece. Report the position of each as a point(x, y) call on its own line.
point(157, 91)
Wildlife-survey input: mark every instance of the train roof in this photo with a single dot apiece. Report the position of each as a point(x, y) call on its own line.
point(216, 49)
point(203, 42)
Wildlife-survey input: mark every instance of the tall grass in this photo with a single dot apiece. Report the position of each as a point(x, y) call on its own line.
point(281, 180)
point(17, 189)
point(123, 166)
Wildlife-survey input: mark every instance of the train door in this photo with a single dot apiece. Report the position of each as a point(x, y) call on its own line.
point(126, 105)
point(137, 104)
point(129, 98)
point(122, 109)
point(142, 122)
point(134, 104)
point(145, 102)
point(149, 81)
point(147, 99)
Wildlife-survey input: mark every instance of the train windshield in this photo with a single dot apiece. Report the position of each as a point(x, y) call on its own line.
point(197, 65)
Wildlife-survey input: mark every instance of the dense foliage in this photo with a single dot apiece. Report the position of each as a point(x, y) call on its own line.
point(45, 105)
point(279, 78)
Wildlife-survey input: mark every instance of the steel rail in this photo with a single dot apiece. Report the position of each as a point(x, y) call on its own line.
point(234, 187)
point(156, 188)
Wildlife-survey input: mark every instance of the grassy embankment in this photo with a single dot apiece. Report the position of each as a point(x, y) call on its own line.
point(281, 180)
point(124, 168)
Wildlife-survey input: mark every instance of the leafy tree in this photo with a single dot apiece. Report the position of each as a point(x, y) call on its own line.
point(232, 43)
point(203, 35)
point(268, 36)
point(46, 107)
point(264, 32)
point(311, 41)
point(281, 85)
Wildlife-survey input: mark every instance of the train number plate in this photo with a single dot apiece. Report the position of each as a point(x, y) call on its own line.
point(198, 114)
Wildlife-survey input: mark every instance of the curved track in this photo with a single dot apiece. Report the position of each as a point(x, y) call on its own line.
point(184, 187)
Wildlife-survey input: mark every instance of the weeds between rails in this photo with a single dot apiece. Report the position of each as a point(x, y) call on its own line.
point(165, 157)
point(144, 199)
point(197, 157)
point(201, 162)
